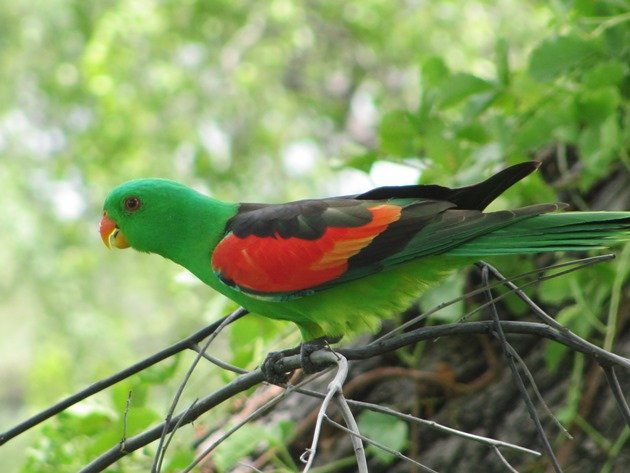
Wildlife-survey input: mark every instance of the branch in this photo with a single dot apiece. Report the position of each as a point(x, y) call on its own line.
point(159, 457)
point(238, 385)
point(188, 342)
point(353, 428)
point(573, 265)
point(378, 347)
point(442, 428)
point(507, 352)
point(255, 377)
point(613, 382)
point(379, 445)
point(334, 388)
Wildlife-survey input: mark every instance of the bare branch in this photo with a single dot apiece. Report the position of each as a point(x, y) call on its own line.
point(507, 351)
point(253, 416)
point(574, 265)
point(379, 445)
point(532, 383)
point(334, 387)
point(503, 460)
point(434, 425)
point(157, 462)
point(348, 417)
point(248, 380)
point(613, 382)
point(62, 405)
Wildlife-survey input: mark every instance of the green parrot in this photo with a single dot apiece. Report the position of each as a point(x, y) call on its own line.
point(340, 265)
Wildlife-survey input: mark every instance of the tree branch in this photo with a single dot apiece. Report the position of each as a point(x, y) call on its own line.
point(249, 380)
point(188, 342)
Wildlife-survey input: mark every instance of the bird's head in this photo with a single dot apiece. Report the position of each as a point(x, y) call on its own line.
point(146, 214)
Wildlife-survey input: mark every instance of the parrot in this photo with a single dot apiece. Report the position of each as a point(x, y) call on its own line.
point(338, 266)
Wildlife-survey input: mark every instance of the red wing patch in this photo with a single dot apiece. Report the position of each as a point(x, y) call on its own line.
point(280, 265)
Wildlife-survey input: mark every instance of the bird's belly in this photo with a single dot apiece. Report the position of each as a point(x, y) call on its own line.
point(360, 305)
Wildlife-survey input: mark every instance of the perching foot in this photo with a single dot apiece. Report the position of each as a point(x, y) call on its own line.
point(311, 347)
point(273, 368)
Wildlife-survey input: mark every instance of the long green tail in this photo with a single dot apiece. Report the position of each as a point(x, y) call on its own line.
point(568, 231)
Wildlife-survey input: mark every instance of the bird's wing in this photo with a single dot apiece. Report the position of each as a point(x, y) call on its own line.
point(295, 249)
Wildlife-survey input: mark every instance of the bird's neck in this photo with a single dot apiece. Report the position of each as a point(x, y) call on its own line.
point(197, 232)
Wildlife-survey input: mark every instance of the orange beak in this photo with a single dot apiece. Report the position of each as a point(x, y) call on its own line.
point(111, 234)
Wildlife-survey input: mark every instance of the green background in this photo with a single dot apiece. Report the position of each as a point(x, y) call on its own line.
point(259, 101)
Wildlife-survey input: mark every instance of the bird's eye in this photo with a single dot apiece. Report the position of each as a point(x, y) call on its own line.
point(132, 204)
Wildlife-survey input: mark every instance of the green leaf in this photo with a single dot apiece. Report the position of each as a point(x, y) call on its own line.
point(555, 290)
point(460, 86)
point(598, 148)
point(575, 318)
point(501, 51)
point(434, 72)
point(241, 443)
point(556, 120)
point(384, 429)
point(595, 106)
point(362, 162)
point(249, 338)
point(448, 289)
point(397, 134)
point(162, 372)
point(179, 459)
point(556, 56)
point(120, 394)
point(139, 418)
point(605, 73)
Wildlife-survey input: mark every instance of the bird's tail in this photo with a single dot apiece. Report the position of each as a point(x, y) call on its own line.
point(568, 231)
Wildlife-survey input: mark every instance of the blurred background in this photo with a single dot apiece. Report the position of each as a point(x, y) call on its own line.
point(259, 101)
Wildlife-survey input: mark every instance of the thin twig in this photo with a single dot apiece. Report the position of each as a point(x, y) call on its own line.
point(246, 381)
point(541, 400)
point(334, 387)
point(126, 413)
point(504, 460)
point(606, 366)
point(574, 265)
point(216, 361)
point(519, 380)
point(442, 428)
point(178, 424)
point(348, 417)
point(379, 445)
point(238, 385)
point(530, 328)
point(103, 384)
point(519, 292)
point(159, 457)
point(613, 382)
point(615, 299)
point(251, 417)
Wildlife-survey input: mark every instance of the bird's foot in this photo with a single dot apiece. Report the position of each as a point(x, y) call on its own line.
point(273, 368)
point(310, 347)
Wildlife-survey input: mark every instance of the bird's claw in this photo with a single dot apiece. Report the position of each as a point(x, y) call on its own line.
point(273, 368)
point(310, 347)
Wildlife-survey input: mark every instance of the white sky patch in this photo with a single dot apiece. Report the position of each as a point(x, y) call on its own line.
point(186, 278)
point(385, 173)
point(351, 181)
point(217, 144)
point(68, 203)
point(300, 157)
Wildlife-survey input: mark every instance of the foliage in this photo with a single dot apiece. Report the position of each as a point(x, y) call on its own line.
point(263, 101)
